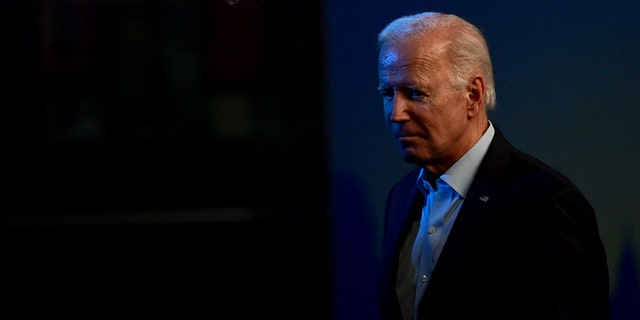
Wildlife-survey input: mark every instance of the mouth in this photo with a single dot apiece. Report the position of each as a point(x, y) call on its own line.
point(405, 135)
point(406, 139)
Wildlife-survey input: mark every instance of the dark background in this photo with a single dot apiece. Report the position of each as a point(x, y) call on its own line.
point(229, 159)
point(166, 159)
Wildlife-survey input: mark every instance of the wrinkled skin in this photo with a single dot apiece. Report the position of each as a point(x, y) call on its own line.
point(433, 121)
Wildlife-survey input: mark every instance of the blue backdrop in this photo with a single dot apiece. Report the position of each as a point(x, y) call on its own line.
point(566, 81)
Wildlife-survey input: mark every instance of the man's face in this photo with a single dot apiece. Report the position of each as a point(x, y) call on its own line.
point(424, 111)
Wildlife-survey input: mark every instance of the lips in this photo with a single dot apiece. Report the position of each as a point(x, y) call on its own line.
point(406, 139)
point(404, 134)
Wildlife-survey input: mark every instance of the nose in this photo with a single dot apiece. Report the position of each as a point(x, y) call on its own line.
point(397, 109)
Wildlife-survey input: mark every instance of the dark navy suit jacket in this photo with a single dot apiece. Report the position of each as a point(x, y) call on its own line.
point(525, 245)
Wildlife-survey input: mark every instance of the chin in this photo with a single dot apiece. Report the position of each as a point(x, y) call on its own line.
point(410, 157)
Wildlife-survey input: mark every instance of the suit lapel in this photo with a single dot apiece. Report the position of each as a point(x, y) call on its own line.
point(408, 212)
point(483, 195)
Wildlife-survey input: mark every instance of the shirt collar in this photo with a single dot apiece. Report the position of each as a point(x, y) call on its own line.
point(460, 175)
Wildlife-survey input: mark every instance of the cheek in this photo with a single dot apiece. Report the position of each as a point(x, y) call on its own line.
point(455, 109)
point(386, 107)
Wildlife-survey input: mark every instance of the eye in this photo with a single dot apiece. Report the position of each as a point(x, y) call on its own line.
point(417, 95)
point(386, 93)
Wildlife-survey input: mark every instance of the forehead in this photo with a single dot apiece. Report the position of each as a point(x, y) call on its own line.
point(427, 51)
point(399, 67)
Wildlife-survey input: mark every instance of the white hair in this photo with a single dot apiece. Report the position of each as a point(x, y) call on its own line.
point(467, 47)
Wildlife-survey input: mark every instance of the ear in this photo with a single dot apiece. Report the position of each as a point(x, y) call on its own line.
point(475, 96)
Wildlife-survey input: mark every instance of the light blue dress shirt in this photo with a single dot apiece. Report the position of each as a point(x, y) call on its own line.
point(441, 208)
